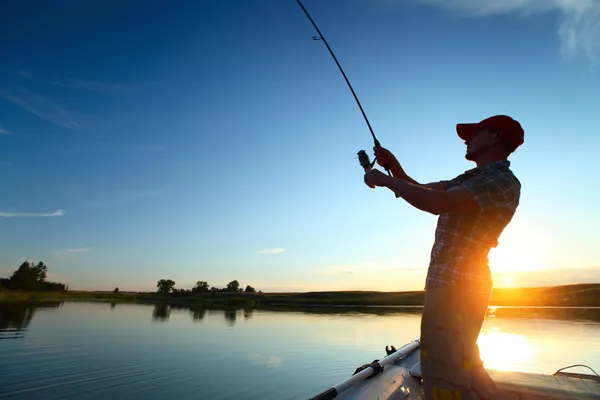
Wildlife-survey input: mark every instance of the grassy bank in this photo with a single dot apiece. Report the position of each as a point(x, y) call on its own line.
point(582, 295)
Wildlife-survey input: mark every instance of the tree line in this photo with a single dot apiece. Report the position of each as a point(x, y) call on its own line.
point(30, 276)
point(167, 286)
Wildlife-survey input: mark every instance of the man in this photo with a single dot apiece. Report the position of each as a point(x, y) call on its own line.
point(473, 208)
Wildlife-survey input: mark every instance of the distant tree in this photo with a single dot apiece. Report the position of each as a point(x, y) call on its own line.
point(215, 289)
point(250, 289)
point(233, 286)
point(165, 286)
point(116, 290)
point(200, 287)
point(28, 276)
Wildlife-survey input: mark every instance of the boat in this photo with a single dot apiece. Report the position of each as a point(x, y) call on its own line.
point(398, 376)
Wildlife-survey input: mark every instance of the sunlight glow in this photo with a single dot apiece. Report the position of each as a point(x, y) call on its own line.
point(515, 254)
point(508, 280)
point(504, 351)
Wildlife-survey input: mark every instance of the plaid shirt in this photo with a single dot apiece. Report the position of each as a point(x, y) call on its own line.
point(463, 240)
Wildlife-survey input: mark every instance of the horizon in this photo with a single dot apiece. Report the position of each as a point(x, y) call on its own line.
point(211, 142)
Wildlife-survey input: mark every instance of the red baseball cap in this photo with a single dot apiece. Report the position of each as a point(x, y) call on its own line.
point(510, 129)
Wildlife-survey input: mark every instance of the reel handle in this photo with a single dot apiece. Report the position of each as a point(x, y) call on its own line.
point(363, 159)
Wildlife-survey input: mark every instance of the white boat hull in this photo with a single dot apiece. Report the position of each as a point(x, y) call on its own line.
point(400, 378)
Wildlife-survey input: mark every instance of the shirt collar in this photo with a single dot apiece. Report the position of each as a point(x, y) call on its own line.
point(494, 166)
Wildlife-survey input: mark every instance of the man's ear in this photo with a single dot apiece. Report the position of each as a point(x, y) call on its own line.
point(496, 136)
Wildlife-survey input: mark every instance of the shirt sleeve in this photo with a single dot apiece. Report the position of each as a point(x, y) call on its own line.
point(493, 191)
point(450, 183)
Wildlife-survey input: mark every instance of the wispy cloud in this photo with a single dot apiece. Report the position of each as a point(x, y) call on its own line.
point(80, 250)
point(579, 22)
point(57, 213)
point(73, 83)
point(365, 268)
point(42, 107)
point(338, 270)
point(350, 269)
point(5, 131)
point(271, 251)
point(68, 253)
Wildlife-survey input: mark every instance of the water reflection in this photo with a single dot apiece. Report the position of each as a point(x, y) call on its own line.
point(197, 313)
point(16, 317)
point(161, 312)
point(503, 351)
point(103, 350)
point(230, 316)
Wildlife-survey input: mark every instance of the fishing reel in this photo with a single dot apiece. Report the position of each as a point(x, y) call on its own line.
point(365, 162)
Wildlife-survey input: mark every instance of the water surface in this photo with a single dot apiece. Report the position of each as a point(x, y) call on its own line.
point(103, 350)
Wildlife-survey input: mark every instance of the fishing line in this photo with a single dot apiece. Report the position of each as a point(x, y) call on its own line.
point(363, 157)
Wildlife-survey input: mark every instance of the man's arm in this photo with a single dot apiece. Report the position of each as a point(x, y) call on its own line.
point(431, 200)
point(398, 172)
point(385, 156)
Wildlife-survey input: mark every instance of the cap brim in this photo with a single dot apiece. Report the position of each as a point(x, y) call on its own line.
point(466, 131)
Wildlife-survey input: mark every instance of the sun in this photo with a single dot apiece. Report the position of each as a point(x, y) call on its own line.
point(516, 254)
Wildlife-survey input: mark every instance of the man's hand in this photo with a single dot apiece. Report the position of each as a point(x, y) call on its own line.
point(384, 156)
point(375, 177)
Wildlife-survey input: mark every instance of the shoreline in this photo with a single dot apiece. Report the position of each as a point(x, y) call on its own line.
point(568, 296)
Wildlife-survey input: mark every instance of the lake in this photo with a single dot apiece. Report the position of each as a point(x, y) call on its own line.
point(119, 350)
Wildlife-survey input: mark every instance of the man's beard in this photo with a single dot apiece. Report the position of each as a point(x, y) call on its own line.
point(474, 155)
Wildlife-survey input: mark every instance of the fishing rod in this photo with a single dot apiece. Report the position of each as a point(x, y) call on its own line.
point(363, 157)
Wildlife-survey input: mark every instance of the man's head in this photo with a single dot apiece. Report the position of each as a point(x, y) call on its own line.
point(497, 136)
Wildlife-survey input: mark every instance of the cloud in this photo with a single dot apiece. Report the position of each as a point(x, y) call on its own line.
point(338, 270)
point(271, 251)
point(80, 250)
point(579, 20)
point(42, 107)
point(5, 132)
point(68, 253)
point(57, 213)
point(74, 83)
point(364, 268)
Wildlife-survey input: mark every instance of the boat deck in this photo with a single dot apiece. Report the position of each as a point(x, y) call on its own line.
point(402, 380)
point(528, 386)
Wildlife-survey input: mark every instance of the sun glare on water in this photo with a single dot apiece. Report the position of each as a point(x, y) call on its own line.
point(504, 351)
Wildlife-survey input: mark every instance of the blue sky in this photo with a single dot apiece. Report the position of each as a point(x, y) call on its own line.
point(216, 141)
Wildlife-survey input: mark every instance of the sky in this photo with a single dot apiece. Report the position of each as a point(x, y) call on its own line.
point(215, 140)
